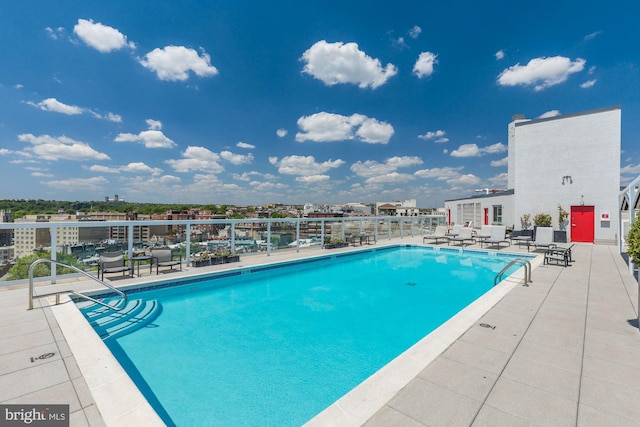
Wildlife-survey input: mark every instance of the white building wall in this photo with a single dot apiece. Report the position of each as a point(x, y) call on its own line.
point(584, 147)
point(455, 209)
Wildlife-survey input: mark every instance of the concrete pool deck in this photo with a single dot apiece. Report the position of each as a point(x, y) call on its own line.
point(562, 351)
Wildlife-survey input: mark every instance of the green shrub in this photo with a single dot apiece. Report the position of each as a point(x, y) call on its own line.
point(542, 220)
point(633, 241)
point(21, 268)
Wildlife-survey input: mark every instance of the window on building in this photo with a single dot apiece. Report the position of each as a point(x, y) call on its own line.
point(497, 214)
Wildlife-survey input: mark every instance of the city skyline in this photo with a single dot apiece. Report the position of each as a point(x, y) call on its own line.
point(248, 103)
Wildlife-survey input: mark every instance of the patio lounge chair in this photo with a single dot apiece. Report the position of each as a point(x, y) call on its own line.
point(465, 234)
point(113, 262)
point(439, 234)
point(498, 235)
point(544, 238)
point(558, 255)
point(164, 258)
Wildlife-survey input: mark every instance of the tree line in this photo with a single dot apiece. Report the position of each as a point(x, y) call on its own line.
point(22, 207)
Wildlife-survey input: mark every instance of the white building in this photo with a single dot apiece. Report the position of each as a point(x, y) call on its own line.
point(397, 208)
point(570, 161)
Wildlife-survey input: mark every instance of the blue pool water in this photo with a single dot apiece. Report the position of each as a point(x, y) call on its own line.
point(275, 347)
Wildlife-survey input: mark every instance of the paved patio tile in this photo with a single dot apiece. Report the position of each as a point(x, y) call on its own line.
point(550, 356)
point(611, 398)
point(39, 377)
point(593, 417)
point(492, 417)
point(22, 359)
point(542, 333)
point(490, 360)
point(545, 377)
point(26, 341)
point(389, 417)
point(460, 378)
point(63, 393)
point(22, 328)
point(532, 404)
point(433, 405)
point(624, 375)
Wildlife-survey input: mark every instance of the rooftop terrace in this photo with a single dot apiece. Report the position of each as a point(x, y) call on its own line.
point(561, 351)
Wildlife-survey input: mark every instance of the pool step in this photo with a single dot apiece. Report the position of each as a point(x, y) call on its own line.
point(113, 324)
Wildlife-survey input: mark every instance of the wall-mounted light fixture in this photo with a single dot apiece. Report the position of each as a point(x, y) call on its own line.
point(567, 180)
point(582, 200)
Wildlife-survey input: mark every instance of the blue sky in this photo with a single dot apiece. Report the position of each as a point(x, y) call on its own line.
point(251, 102)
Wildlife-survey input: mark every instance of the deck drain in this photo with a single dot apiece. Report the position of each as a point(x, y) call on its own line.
point(42, 357)
point(486, 325)
point(411, 283)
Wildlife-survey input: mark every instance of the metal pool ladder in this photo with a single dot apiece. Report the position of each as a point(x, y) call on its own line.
point(57, 293)
point(527, 271)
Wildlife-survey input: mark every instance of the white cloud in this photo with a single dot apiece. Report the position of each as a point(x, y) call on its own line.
point(154, 124)
point(236, 159)
point(100, 37)
point(325, 127)
point(197, 159)
point(592, 35)
point(4, 151)
point(424, 65)
point(52, 104)
point(438, 136)
point(55, 33)
point(468, 179)
point(440, 174)
point(301, 165)
point(174, 63)
point(103, 169)
point(588, 84)
point(390, 178)
point(371, 168)
point(550, 113)
point(241, 144)
point(472, 150)
point(541, 72)
point(140, 167)
point(499, 180)
point(466, 150)
point(335, 63)
point(55, 106)
point(75, 184)
point(282, 132)
point(415, 32)
point(47, 147)
point(500, 54)
point(312, 179)
point(501, 162)
point(630, 169)
point(149, 138)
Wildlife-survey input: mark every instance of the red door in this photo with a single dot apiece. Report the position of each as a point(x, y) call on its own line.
point(582, 223)
point(486, 216)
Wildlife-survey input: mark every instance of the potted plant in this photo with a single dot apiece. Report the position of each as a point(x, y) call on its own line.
point(560, 236)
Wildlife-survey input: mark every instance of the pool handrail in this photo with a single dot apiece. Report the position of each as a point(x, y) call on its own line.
point(527, 271)
point(125, 298)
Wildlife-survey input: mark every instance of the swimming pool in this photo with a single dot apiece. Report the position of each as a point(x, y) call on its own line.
point(275, 346)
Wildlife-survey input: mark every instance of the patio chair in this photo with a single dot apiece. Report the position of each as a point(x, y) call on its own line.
point(113, 262)
point(465, 234)
point(438, 234)
point(498, 235)
point(164, 258)
point(544, 238)
point(484, 233)
point(558, 255)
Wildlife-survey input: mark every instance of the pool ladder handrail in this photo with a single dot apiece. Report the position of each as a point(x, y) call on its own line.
point(527, 271)
point(125, 298)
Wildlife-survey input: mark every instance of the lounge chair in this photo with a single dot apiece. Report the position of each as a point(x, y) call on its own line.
point(543, 239)
point(464, 235)
point(164, 258)
point(441, 233)
point(484, 233)
point(113, 262)
point(455, 230)
point(558, 255)
point(498, 235)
